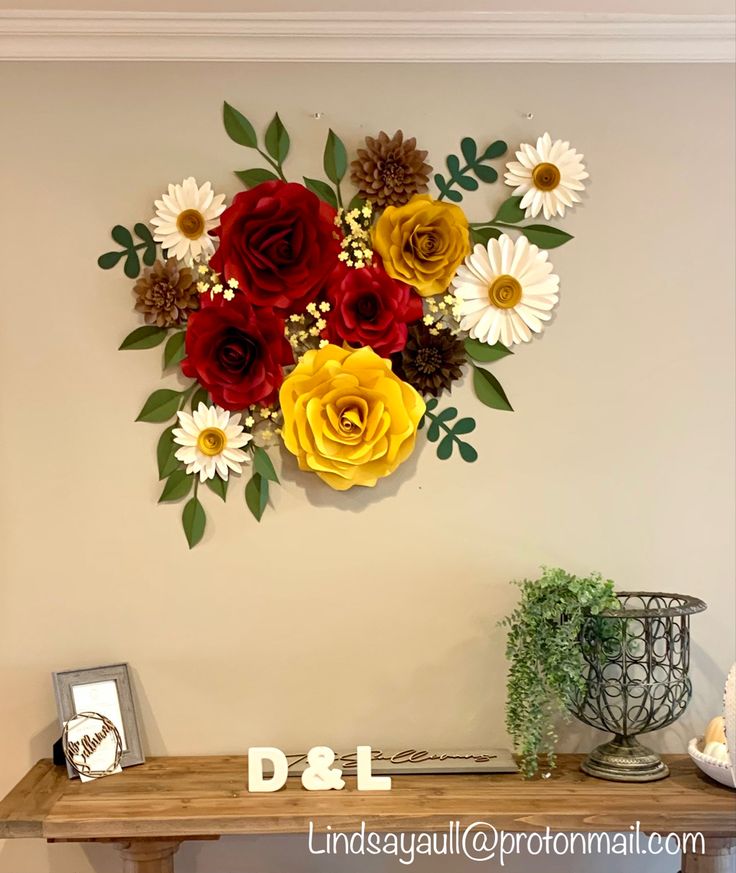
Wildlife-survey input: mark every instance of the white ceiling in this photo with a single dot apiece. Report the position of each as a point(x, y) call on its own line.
point(674, 7)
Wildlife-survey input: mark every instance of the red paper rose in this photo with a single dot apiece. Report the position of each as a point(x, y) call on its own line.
point(369, 308)
point(277, 241)
point(236, 352)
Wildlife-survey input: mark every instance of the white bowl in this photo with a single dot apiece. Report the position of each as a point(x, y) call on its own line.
point(718, 770)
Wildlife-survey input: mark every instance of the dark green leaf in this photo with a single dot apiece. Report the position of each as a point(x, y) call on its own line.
point(263, 465)
point(122, 236)
point(256, 495)
point(335, 158)
point(174, 349)
point(453, 195)
point(193, 520)
point(322, 190)
point(143, 232)
point(432, 404)
point(484, 173)
point(277, 140)
point(160, 406)
point(464, 425)
point(218, 486)
point(109, 259)
point(199, 396)
point(433, 431)
point(485, 353)
point(251, 178)
point(149, 254)
point(509, 211)
point(177, 485)
point(238, 128)
point(469, 149)
point(132, 266)
point(467, 182)
point(489, 391)
point(483, 234)
point(467, 452)
point(453, 165)
point(494, 150)
point(444, 449)
point(145, 337)
point(447, 414)
point(165, 451)
point(544, 236)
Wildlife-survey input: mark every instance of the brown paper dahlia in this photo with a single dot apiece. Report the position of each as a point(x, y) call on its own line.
point(388, 172)
point(431, 362)
point(166, 293)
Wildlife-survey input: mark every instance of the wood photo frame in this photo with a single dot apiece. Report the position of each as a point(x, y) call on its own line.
point(108, 691)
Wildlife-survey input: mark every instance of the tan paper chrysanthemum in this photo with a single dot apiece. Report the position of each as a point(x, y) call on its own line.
point(388, 172)
point(166, 293)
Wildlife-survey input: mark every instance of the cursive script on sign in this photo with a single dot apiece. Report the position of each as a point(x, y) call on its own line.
point(420, 760)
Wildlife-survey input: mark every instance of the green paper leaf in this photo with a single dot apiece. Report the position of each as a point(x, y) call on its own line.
point(165, 451)
point(160, 406)
point(489, 391)
point(485, 174)
point(149, 255)
point(469, 148)
point(483, 234)
point(432, 403)
point(509, 211)
point(494, 150)
point(277, 140)
point(238, 128)
point(356, 203)
point(143, 232)
point(256, 495)
point(453, 165)
point(177, 485)
point(194, 521)
point(146, 337)
point(218, 486)
point(109, 260)
point(132, 266)
point(447, 414)
point(122, 236)
point(322, 190)
point(251, 178)
point(263, 465)
point(467, 452)
point(544, 236)
point(335, 158)
point(479, 351)
point(468, 183)
point(174, 350)
point(464, 425)
point(199, 396)
point(444, 449)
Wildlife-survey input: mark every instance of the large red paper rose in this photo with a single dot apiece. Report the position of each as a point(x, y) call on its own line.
point(369, 308)
point(236, 352)
point(278, 241)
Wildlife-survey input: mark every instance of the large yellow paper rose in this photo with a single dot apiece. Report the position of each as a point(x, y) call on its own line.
point(347, 417)
point(422, 243)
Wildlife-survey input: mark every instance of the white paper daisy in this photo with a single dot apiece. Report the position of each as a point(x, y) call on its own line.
point(185, 216)
point(212, 442)
point(506, 291)
point(548, 178)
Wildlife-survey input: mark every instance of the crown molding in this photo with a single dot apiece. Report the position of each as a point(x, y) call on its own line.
point(366, 37)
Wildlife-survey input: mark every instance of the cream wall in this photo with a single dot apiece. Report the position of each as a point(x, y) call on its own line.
point(371, 615)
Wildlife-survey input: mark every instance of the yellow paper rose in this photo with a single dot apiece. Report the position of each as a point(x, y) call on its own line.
point(347, 417)
point(422, 242)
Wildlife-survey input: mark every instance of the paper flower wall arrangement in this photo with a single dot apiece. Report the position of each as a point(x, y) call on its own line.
point(334, 323)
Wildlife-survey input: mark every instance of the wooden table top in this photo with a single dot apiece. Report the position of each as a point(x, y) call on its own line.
point(207, 796)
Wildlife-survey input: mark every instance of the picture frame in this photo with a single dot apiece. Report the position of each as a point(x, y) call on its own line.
point(106, 690)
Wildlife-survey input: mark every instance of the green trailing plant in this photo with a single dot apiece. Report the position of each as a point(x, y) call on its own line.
point(546, 662)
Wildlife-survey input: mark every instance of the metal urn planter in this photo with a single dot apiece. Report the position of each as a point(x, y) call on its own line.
point(637, 662)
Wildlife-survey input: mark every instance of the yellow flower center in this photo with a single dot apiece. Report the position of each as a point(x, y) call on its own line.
point(211, 441)
point(505, 292)
point(190, 223)
point(545, 176)
point(351, 421)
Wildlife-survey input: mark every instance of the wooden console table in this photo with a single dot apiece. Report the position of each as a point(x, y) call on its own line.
point(149, 810)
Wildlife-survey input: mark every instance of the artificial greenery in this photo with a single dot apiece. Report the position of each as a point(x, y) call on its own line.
point(547, 666)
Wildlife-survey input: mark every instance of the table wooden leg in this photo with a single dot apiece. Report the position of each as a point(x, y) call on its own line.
point(148, 856)
point(719, 857)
